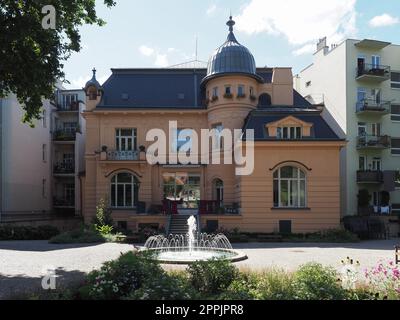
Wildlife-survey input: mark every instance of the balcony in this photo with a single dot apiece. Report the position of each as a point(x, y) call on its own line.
point(372, 106)
point(373, 73)
point(371, 176)
point(70, 107)
point(117, 155)
point(64, 168)
point(373, 142)
point(64, 135)
point(63, 203)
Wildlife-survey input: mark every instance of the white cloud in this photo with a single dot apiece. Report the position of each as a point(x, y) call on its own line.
point(161, 60)
point(383, 20)
point(146, 51)
point(308, 48)
point(211, 9)
point(301, 22)
point(80, 82)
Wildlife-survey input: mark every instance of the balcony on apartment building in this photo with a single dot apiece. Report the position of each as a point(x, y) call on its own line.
point(60, 202)
point(370, 176)
point(373, 142)
point(372, 72)
point(65, 135)
point(72, 106)
point(373, 106)
point(64, 168)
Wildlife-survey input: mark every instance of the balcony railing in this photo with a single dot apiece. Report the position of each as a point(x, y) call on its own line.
point(73, 106)
point(64, 135)
point(373, 72)
point(371, 176)
point(59, 202)
point(123, 155)
point(373, 142)
point(372, 105)
point(64, 168)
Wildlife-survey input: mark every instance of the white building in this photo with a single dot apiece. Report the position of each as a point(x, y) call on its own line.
point(358, 83)
point(39, 167)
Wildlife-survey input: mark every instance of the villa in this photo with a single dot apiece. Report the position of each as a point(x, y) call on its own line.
point(293, 187)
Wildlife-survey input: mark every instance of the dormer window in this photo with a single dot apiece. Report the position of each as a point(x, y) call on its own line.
point(289, 133)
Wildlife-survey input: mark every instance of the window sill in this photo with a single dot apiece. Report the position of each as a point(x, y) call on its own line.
point(290, 209)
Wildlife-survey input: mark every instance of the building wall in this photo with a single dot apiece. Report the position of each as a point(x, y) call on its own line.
point(333, 80)
point(23, 168)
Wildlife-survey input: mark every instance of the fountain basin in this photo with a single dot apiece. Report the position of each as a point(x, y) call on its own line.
point(185, 256)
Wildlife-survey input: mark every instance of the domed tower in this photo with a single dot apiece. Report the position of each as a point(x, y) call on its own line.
point(231, 83)
point(93, 92)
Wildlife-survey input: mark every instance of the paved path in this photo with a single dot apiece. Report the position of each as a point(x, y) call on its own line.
point(22, 262)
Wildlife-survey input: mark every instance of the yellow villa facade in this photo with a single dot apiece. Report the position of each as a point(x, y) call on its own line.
point(294, 186)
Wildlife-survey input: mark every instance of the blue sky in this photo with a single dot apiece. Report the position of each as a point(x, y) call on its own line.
point(159, 33)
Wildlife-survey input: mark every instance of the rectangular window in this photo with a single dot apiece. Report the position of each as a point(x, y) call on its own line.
point(395, 112)
point(44, 153)
point(228, 90)
point(362, 128)
point(376, 198)
point(376, 129)
point(218, 139)
point(289, 133)
point(44, 119)
point(397, 180)
point(70, 127)
point(240, 90)
point(69, 193)
point(215, 92)
point(362, 163)
point(377, 164)
point(44, 188)
point(395, 80)
point(395, 146)
point(125, 139)
point(376, 61)
point(69, 101)
point(251, 91)
point(182, 137)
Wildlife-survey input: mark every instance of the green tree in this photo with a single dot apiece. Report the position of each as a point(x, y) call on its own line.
point(31, 57)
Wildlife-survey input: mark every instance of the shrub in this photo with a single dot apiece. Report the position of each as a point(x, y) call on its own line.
point(275, 285)
point(316, 282)
point(78, 236)
point(120, 278)
point(103, 215)
point(9, 232)
point(164, 287)
point(211, 277)
point(244, 287)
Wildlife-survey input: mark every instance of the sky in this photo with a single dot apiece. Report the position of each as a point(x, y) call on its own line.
point(284, 33)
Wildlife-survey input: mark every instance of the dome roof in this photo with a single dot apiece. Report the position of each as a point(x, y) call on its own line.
point(231, 57)
point(93, 81)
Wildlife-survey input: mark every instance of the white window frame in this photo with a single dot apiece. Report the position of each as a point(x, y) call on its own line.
point(122, 141)
point(376, 164)
point(374, 59)
point(124, 184)
point(297, 180)
point(214, 92)
point(291, 132)
point(44, 118)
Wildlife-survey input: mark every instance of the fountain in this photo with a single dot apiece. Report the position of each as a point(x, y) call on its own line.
point(194, 246)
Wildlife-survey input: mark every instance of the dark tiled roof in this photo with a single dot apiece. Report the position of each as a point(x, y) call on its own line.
point(258, 119)
point(158, 88)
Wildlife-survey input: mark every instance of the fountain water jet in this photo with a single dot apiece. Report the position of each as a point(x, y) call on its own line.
point(194, 246)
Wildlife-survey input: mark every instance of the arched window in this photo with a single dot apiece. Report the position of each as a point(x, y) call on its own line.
point(124, 190)
point(264, 100)
point(218, 191)
point(289, 188)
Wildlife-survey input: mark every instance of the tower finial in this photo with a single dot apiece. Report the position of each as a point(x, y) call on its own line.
point(230, 23)
point(94, 72)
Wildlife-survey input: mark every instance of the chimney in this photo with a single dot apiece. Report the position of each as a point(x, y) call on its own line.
point(322, 45)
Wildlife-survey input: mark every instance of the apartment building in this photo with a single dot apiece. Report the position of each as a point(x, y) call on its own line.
point(40, 166)
point(358, 83)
